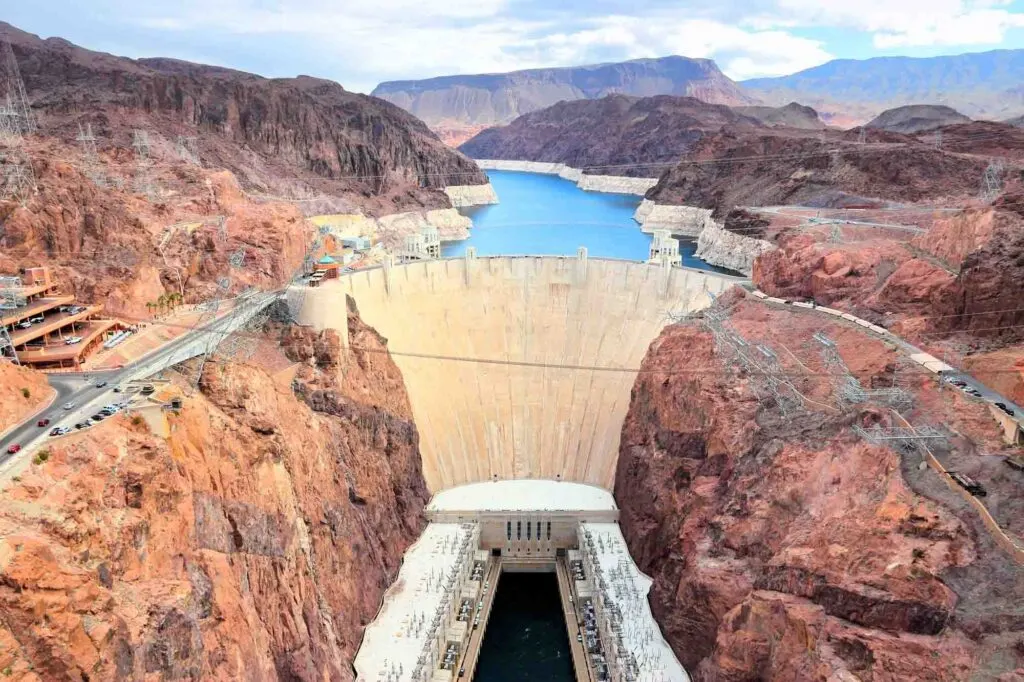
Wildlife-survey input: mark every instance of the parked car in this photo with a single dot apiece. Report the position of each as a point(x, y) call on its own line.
point(72, 340)
point(147, 389)
point(69, 406)
point(43, 422)
point(37, 319)
point(24, 325)
point(13, 449)
point(101, 384)
point(98, 417)
point(83, 425)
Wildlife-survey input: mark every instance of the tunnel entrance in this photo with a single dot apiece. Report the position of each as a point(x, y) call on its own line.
point(526, 638)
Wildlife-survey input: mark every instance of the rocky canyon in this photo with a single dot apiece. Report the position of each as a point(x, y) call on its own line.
point(252, 543)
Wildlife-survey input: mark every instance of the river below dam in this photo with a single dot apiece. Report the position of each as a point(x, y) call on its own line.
point(547, 215)
point(526, 637)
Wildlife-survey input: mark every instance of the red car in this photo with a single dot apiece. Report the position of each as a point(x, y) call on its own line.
point(14, 448)
point(43, 422)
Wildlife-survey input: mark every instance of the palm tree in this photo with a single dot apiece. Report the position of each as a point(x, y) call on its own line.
point(149, 307)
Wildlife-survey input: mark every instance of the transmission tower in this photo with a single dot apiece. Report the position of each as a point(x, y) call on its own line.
point(11, 297)
point(846, 387)
point(186, 148)
point(214, 339)
point(16, 120)
point(88, 143)
point(937, 139)
point(862, 136)
point(992, 181)
point(143, 167)
point(13, 87)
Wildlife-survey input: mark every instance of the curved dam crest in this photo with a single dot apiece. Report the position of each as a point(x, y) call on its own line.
point(521, 407)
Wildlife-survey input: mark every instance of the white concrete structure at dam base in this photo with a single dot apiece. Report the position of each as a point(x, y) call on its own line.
point(612, 184)
point(522, 495)
point(529, 525)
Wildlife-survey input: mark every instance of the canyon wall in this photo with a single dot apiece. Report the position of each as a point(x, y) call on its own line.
point(717, 245)
point(962, 275)
point(252, 544)
point(784, 547)
point(471, 195)
point(516, 367)
point(23, 391)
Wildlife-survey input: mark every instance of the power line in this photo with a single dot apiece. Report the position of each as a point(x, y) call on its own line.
point(538, 364)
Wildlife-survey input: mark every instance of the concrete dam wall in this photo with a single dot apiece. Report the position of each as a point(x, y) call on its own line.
point(520, 407)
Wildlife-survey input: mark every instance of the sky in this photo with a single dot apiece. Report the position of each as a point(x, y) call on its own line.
point(360, 44)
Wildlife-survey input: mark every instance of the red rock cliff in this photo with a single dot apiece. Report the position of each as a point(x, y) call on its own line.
point(253, 544)
point(786, 548)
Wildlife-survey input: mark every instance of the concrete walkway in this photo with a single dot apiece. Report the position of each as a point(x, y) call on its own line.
point(572, 624)
point(476, 636)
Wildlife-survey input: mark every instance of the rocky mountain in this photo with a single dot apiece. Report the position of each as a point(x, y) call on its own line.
point(793, 115)
point(1018, 122)
point(775, 169)
point(252, 543)
point(916, 118)
point(464, 103)
point(788, 548)
point(980, 85)
point(291, 136)
point(605, 135)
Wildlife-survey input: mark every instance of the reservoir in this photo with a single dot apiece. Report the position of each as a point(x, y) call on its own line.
point(526, 638)
point(547, 215)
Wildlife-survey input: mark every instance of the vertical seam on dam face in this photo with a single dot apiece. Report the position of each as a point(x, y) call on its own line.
point(478, 421)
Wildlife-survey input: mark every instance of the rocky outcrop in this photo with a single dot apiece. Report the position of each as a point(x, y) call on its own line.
point(809, 171)
point(793, 115)
point(614, 184)
point(735, 251)
point(285, 136)
point(471, 195)
point(487, 99)
point(682, 220)
point(784, 547)
point(22, 392)
point(253, 544)
point(912, 293)
point(916, 118)
point(451, 226)
point(611, 135)
point(109, 245)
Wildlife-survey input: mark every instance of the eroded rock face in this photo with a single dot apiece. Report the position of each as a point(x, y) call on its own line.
point(786, 548)
point(963, 275)
point(253, 544)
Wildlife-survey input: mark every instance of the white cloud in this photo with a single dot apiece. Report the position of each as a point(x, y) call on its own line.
point(894, 23)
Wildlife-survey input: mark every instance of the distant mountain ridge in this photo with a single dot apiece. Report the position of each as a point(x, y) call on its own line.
point(916, 118)
point(980, 85)
point(612, 131)
point(473, 101)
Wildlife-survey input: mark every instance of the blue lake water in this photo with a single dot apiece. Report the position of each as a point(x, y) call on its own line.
point(546, 215)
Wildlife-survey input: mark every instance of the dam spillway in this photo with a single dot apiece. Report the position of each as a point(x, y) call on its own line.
point(517, 367)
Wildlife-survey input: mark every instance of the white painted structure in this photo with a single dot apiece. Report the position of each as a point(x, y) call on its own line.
point(531, 495)
point(631, 639)
point(406, 640)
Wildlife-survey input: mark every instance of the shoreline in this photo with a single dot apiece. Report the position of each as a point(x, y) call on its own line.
point(608, 184)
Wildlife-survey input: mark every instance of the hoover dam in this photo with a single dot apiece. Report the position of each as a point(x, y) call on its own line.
point(519, 371)
point(516, 367)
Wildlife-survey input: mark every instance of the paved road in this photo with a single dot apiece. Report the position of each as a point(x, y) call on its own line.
point(80, 387)
point(987, 394)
